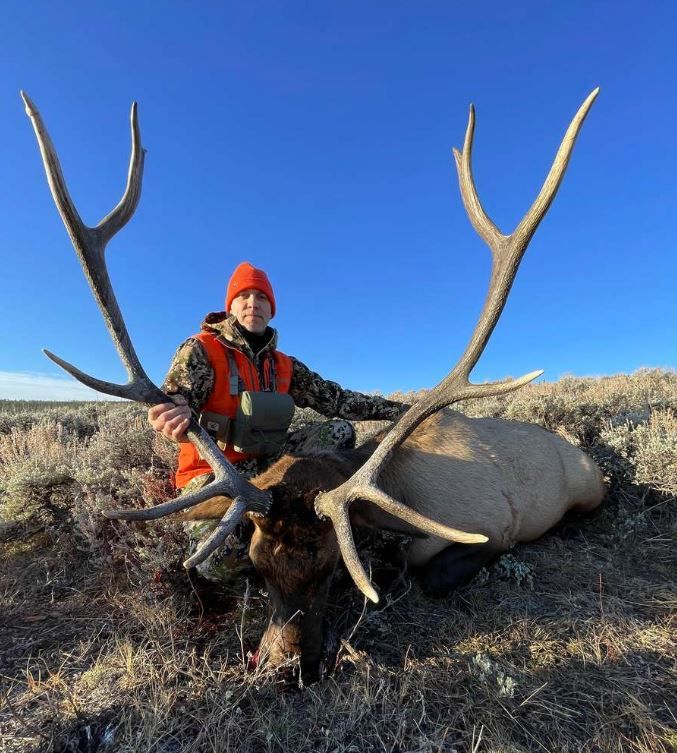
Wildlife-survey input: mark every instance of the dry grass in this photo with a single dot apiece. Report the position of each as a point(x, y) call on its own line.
point(567, 644)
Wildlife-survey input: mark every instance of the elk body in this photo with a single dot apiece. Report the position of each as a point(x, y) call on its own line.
point(508, 480)
point(482, 484)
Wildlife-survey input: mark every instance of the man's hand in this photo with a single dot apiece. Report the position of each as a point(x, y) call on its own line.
point(171, 419)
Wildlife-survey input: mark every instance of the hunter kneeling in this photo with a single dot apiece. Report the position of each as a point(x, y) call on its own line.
point(243, 390)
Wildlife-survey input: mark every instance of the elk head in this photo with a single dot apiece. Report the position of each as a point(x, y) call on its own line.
point(301, 535)
point(296, 553)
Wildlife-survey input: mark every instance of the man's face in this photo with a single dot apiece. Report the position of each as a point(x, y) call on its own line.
point(252, 310)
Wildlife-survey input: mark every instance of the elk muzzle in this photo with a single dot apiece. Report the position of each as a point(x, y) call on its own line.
point(296, 629)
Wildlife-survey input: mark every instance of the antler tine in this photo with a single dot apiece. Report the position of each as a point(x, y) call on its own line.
point(482, 223)
point(344, 535)
point(90, 244)
point(507, 252)
point(338, 514)
point(527, 227)
point(123, 212)
point(74, 225)
point(224, 528)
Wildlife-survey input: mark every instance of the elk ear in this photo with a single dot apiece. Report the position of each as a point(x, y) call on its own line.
point(211, 509)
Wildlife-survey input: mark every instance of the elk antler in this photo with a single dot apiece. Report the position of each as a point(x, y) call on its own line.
point(507, 251)
point(90, 245)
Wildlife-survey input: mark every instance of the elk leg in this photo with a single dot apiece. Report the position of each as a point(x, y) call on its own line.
point(453, 567)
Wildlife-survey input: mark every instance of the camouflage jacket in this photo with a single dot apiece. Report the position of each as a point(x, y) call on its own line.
point(192, 376)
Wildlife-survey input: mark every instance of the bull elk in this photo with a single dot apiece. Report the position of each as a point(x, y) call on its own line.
point(496, 482)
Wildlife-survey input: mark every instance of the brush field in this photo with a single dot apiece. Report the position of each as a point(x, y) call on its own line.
point(568, 644)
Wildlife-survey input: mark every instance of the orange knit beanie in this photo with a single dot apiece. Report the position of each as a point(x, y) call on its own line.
point(245, 277)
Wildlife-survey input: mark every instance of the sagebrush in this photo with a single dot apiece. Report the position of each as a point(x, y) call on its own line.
point(566, 644)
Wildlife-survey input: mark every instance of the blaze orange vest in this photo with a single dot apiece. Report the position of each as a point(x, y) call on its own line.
point(222, 402)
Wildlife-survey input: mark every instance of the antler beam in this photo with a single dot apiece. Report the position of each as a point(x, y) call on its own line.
point(90, 246)
point(507, 252)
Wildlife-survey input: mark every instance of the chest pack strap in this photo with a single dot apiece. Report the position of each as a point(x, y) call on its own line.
point(234, 374)
point(269, 373)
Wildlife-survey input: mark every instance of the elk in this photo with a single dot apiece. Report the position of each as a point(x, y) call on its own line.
point(465, 488)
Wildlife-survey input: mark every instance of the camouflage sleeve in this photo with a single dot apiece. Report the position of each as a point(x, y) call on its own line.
point(190, 374)
point(309, 390)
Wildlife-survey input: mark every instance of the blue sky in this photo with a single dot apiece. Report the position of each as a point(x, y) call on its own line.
point(314, 139)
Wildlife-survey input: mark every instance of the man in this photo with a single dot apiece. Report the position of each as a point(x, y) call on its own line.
point(232, 378)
